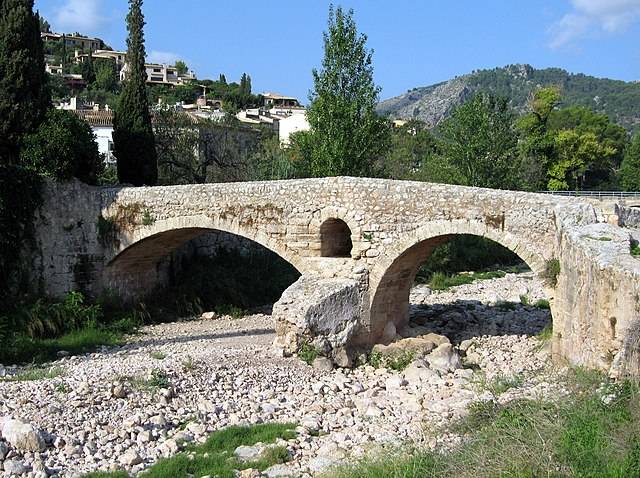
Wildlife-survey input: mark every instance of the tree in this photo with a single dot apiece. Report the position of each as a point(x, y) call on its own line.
point(222, 79)
point(630, 169)
point(24, 94)
point(577, 155)
point(182, 68)
point(45, 27)
point(479, 140)
point(410, 146)
point(132, 131)
point(106, 75)
point(63, 147)
point(346, 136)
point(88, 71)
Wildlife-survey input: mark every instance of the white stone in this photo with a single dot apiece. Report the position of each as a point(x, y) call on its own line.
point(23, 436)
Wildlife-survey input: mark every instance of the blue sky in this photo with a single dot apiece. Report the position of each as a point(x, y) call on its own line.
point(416, 42)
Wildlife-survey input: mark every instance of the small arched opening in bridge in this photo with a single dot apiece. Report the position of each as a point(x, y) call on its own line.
point(415, 291)
point(186, 271)
point(335, 238)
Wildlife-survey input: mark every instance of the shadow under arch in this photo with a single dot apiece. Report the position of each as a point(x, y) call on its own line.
point(394, 274)
point(134, 269)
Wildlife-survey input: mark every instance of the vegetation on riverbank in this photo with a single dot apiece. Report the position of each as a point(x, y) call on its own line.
point(593, 431)
point(216, 458)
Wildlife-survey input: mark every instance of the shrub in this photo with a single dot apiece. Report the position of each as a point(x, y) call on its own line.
point(634, 247)
point(307, 352)
point(551, 272)
point(63, 147)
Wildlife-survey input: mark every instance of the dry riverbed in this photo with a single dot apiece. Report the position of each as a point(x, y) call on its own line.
point(126, 407)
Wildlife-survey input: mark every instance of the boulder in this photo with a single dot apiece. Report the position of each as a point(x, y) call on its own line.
point(323, 364)
point(130, 458)
point(418, 373)
point(249, 453)
point(318, 310)
point(23, 436)
point(14, 468)
point(444, 359)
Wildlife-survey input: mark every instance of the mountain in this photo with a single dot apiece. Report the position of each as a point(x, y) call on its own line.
point(620, 100)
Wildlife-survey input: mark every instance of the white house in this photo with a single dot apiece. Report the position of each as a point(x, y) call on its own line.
point(290, 125)
point(101, 122)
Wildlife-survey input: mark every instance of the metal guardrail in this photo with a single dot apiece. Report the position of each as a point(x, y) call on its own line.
point(596, 194)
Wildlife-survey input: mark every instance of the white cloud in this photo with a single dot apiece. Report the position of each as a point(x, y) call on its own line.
point(83, 16)
point(609, 16)
point(165, 57)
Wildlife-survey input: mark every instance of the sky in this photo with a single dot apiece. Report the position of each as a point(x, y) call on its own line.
point(415, 42)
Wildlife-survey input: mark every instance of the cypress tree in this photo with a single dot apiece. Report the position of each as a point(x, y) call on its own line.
point(88, 70)
point(24, 93)
point(132, 131)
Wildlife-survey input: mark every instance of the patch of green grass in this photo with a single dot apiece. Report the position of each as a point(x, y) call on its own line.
point(157, 379)
point(398, 361)
point(441, 281)
point(546, 333)
point(148, 219)
point(307, 353)
point(231, 310)
point(506, 305)
point(106, 474)
point(551, 272)
point(542, 304)
point(34, 373)
point(593, 432)
point(524, 300)
point(501, 383)
point(634, 248)
point(188, 363)
point(215, 456)
point(156, 354)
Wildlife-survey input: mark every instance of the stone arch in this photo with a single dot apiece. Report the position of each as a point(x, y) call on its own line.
point(393, 275)
point(140, 250)
point(335, 238)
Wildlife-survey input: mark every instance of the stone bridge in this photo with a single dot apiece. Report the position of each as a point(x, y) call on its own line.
point(358, 244)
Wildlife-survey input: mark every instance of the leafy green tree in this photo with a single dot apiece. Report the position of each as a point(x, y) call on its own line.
point(479, 140)
point(87, 70)
point(411, 145)
point(181, 66)
point(132, 131)
point(24, 94)
point(63, 147)
point(577, 155)
point(347, 137)
point(223, 79)
point(106, 75)
point(630, 169)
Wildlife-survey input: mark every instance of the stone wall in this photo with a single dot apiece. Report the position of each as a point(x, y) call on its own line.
point(628, 216)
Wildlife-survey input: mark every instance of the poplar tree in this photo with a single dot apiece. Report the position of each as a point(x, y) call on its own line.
point(24, 93)
point(132, 131)
point(347, 137)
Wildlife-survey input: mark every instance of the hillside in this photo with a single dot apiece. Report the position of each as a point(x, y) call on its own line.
point(431, 104)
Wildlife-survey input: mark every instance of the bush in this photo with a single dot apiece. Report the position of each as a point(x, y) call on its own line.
point(63, 147)
point(551, 272)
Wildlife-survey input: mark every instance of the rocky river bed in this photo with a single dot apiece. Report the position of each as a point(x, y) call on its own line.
point(125, 407)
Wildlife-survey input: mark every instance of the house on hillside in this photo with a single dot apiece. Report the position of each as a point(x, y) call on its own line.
point(74, 41)
point(161, 74)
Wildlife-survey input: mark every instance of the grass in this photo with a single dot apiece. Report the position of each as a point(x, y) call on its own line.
point(157, 379)
point(231, 310)
point(593, 432)
point(34, 373)
point(634, 248)
point(551, 272)
point(307, 353)
point(546, 333)
point(542, 304)
point(501, 384)
point(87, 339)
point(442, 281)
point(398, 361)
point(215, 456)
point(156, 354)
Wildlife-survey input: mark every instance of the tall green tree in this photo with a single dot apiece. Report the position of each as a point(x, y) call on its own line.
point(347, 137)
point(24, 93)
point(88, 70)
point(630, 169)
point(479, 140)
point(182, 67)
point(133, 139)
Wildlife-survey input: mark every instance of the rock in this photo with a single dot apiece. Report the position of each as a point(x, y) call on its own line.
point(320, 464)
point(418, 372)
point(444, 359)
point(323, 364)
point(249, 453)
point(315, 307)
point(342, 358)
point(14, 468)
point(389, 333)
point(249, 473)
point(23, 437)
point(208, 315)
point(119, 391)
point(278, 471)
point(4, 450)
point(310, 424)
point(130, 458)
point(395, 382)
